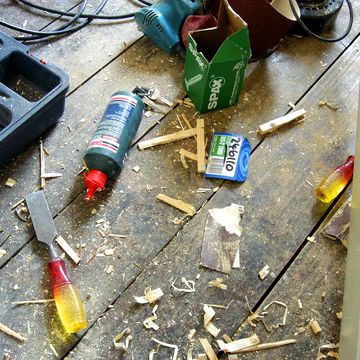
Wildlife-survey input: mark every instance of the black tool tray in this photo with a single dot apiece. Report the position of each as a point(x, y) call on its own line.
point(32, 97)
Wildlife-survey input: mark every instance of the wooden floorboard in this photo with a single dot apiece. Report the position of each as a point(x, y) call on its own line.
point(156, 249)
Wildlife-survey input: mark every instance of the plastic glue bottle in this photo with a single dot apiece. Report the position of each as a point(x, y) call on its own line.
point(107, 149)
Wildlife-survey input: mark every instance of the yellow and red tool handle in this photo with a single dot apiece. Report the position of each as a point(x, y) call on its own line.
point(67, 299)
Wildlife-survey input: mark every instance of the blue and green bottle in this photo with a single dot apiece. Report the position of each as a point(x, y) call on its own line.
point(107, 149)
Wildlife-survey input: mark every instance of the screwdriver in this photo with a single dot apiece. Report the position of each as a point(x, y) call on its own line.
point(331, 186)
point(67, 299)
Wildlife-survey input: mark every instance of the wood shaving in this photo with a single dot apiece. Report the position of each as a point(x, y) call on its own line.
point(283, 323)
point(54, 350)
point(208, 349)
point(190, 285)
point(329, 105)
point(122, 345)
point(218, 282)
point(219, 306)
point(30, 302)
point(263, 273)
point(325, 347)
point(175, 347)
point(10, 182)
point(149, 322)
point(209, 313)
point(150, 297)
point(109, 269)
point(237, 345)
point(300, 304)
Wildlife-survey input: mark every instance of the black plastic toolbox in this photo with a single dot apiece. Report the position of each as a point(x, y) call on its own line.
point(32, 97)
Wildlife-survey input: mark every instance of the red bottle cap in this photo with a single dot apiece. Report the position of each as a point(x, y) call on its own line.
point(95, 180)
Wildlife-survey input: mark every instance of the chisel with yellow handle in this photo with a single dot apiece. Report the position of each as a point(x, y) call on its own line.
point(67, 300)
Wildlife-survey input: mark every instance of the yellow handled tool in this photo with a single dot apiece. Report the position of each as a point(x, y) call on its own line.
point(67, 300)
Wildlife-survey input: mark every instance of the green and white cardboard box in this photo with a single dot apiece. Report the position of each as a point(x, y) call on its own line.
point(216, 60)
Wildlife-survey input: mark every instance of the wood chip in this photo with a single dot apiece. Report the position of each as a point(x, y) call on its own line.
point(300, 304)
point(311, 239)
point(186, 120)
point(315, 327)
point(109, 252)
point(150, 297)
point(179, 204)
point(208, 349)
point(149, 322)
point(2, 252)
point(276, 123)
point(339, 315)
point(12, 333)
point(122, 345)
point(200, 145)
point(136, 169)
point(191, 334)
point(165, 139)
point(175, 347)
point(67, 248)
point(218, 283)
point(237, 345)
point(10, 182)
point(263, 273)
point(183, 162)
point(109, 269)
point(93, 211)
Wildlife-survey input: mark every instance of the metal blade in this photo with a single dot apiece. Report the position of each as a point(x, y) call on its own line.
point(41, 217)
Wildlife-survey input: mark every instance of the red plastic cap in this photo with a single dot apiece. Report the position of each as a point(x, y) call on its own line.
point(95, 180)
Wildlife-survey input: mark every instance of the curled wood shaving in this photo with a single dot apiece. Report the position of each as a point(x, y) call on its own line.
point(209, 313)
point(208, 349)
point(190, 285)
point(284, 316)
point(150, 297)
point(149, 322)
point(237, 345)
point(175, 347)
point(122, 345)
point(320, 355)
point(218, 282)
point(152, 353)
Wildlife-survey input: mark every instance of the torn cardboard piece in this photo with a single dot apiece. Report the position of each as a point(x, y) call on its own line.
point(338, 226)
point(222, 238)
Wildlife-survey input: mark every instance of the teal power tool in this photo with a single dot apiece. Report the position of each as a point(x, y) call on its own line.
point(162, 22)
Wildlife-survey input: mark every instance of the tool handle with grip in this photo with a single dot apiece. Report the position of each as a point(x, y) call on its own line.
point(67, 299)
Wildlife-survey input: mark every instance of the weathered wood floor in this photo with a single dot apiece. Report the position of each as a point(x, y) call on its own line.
point(280, 207)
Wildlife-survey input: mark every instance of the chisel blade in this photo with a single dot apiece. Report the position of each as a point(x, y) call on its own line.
point(41, 217)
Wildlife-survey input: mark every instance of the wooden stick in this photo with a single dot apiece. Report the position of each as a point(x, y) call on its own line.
point(208, 349)
point(10, 332)
point(187, 122)
point(180, 135)
point(276, 123)
point(188, 154)
point(29, 302)
point(179, 204)
point(42, 166)
point(69, 251)
point(200, 144)
point(270, 345)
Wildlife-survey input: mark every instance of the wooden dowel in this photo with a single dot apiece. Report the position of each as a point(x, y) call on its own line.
point(180, 135)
